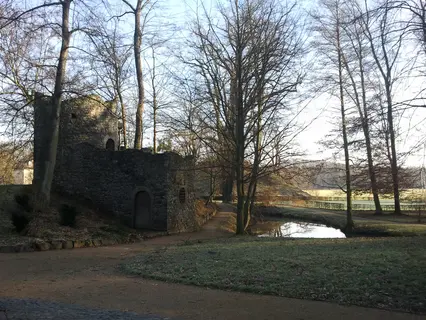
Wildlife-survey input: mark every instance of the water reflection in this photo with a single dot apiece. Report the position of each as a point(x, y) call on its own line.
point(303, 230)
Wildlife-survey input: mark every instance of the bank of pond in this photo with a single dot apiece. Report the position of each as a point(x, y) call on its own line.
point(296, 222)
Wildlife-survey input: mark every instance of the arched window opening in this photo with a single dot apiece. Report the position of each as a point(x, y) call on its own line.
point(182, 195)
point(110, 145)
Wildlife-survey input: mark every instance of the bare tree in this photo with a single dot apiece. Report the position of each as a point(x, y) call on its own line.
point(385, 43)
point(43, 178)
point(184, 128)
point(160, 81)
point(110, 58)
point(359, 95)
point(417, 23)
point(25, 66)
point(41, 15)
point(140, 21)
point(155, 106)
point(329, 26)
point(246, 65)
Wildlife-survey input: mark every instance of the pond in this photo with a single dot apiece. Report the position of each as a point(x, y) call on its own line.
point(303, 230)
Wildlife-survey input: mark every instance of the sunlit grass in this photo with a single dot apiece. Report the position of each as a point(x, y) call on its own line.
point(408, 194)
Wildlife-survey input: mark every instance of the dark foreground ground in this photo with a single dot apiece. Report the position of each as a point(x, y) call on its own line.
point(14, 309)
point(90, 278)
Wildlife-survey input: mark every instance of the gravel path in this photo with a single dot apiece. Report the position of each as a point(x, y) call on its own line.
point(30, 309)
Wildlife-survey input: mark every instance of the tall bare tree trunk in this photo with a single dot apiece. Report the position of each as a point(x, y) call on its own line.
point(227, 186)
point(251, 190)
point(372, 173)
point(349, 221)
point(254, 38)
point(229, 163)
point(154, 138)
point(137, 43)
point(240, 141)
point(240, 190)
point(394, 163)
point(364, 117)
point(43, 180)
point(154, 102)
point(366, 130)
point(423, 24)
point(123, 118)
point(386, 71)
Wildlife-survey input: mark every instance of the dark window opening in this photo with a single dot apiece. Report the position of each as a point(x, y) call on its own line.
point(182, 195)
point(110, 145)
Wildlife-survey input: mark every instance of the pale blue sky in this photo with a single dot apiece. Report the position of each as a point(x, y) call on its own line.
point(180, 12)
point(326, 121)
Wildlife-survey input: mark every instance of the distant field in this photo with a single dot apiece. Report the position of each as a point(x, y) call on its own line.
point(360, 205)
point(407, 195)
point(411, 200)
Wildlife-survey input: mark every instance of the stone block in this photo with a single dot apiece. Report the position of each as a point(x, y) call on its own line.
point(27, 247)
point(56, 244)
point(108, 242)
point(79, 243)
point(133, 238)
point(97, 243)
point(67, 244)
point(41, 245)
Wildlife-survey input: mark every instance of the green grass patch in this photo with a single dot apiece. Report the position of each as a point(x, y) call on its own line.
point(374, 272)
point(389, 229)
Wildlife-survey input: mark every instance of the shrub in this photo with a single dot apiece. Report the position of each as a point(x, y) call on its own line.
point(23, 200)
point(20, 221)
point(68, 215)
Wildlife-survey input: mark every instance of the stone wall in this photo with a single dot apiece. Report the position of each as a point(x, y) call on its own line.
point(83, 119)
point(88, 119)
point(112, 179)
point(181, 193)
point(145, 190)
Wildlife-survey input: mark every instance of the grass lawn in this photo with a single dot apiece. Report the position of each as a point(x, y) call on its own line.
point(374, 272)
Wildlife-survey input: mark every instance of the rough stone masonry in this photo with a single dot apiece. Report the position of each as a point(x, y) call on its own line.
point(145, 190)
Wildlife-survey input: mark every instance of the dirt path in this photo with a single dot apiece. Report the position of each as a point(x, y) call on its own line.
point(88, 277)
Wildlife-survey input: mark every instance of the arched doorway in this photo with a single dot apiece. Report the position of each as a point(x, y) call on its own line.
point(142, 210)
point(110, 145)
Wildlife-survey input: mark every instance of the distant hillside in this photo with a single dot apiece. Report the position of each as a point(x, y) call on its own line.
point(276, 188)
point(272, 186)
point(331, 175)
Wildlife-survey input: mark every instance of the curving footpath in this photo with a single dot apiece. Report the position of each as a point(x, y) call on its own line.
point(84, 284)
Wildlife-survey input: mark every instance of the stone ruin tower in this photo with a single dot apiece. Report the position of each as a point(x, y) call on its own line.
point(145, 190)
point(84, 119)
